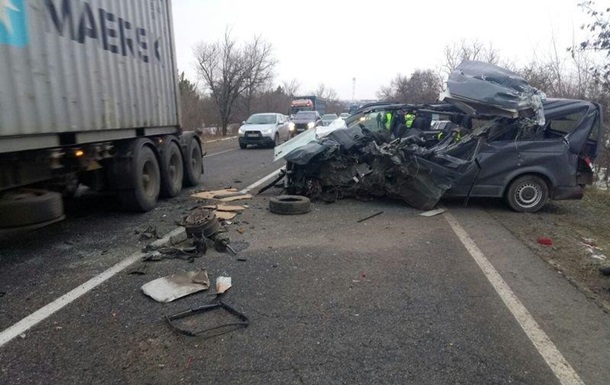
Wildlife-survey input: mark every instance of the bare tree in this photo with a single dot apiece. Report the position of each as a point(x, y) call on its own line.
point(291, 88)
point(473, 50)
point(423, 86)
point(190, 104)
point(259, 65)
point(228, 71)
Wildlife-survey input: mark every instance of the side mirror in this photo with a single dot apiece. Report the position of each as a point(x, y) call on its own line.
point(243, 122)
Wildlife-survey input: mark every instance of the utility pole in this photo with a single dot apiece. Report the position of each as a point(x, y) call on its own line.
point(353, 89)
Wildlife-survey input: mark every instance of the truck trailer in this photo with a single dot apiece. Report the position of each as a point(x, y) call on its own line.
point(89, 96)
point(307, 103)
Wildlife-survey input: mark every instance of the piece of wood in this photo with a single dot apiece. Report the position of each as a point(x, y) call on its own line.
point(213, 193)
point(231, 209)
point(237, 198)
point(224, 215)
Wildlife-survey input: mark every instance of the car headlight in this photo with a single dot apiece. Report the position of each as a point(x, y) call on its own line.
point(241, 130)
point(291, 126)
point(268, 131)
point(311, 125)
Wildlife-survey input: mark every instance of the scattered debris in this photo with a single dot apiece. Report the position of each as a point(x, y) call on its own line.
point(223, 284)
point(369, 217)
point(595, 251)
point(605, 270)
point(142, 269)
point(225, 215)
point(214, 193)
point(149, 233)
point(172, 287)
point(242, 322)
point(242, 259)
point(2, 294)
point(201, 223)
point(289, 204)
point(545, 241)
point(227, 208)
point(432, 213)
point(237, 198)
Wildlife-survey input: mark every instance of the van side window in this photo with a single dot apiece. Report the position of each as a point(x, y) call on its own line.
point(561, 125)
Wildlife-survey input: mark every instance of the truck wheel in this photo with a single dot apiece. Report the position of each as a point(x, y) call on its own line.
point(146, 178)
point(193, 163)
point(28, 207)
point(172, 168)
point(527, 194)
point(289, 204)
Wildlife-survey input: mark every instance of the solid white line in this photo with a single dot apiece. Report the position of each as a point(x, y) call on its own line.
point(558, 364)
point(221, 152)
point(49, 309)
point(261, 181)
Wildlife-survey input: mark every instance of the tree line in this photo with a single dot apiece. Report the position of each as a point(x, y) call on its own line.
point(237, 80)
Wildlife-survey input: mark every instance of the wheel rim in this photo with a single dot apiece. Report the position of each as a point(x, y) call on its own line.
point(150, 179)
point(528, 195)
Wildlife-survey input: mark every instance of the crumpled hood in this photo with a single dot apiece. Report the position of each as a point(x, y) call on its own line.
point(480, 88)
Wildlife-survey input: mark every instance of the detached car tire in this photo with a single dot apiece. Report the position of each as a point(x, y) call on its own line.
point(289, 204)
point(30, 207)
point(527, 194)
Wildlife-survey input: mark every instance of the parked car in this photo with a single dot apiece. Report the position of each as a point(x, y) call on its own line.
point(264, 129)
point(303, 121)
point(328, 119)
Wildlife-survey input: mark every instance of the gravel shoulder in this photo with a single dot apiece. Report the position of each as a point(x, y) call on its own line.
point(579, 231)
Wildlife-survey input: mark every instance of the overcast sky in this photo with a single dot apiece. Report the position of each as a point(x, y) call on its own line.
point(333, 41)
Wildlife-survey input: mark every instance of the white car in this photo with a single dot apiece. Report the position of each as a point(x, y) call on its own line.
point(266, 129)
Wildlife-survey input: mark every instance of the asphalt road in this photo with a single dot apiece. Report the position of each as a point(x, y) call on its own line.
point(396, 299)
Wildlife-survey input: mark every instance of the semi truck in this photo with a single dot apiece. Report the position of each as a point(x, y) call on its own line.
point(307, 103)
point(89, 97)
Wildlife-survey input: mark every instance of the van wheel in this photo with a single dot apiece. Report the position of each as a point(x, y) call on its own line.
point(527, 194)
point(172, 168)
point(193, 163)
point(146, 178)
point(289, 205)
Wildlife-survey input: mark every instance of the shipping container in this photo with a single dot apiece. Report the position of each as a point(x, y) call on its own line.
point(85, 85)
point(85, 66)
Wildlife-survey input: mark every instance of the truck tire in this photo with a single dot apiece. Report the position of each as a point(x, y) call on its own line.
point(172, 168)
point(289, 204)
point(146, 178)
point(193, 163)
point(27, 207)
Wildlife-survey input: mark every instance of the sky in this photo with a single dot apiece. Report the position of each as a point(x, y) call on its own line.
point(334, 41)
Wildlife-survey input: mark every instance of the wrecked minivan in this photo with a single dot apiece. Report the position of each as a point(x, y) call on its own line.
point(500, 138)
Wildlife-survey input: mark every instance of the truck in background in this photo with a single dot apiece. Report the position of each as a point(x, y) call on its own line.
point(89, 95)
point(307, 103)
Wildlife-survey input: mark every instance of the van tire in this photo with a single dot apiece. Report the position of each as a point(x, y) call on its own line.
point(289, 204)
point(527, 194)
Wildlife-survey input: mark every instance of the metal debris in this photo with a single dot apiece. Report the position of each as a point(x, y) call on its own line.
point(432, 213)
point(172, 287)
point(369, 217)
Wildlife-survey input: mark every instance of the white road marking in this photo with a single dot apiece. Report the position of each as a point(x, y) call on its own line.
point(553, 357)
point(261, 181)
point(51, 308)
point(48, 310)
point(221, 152)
